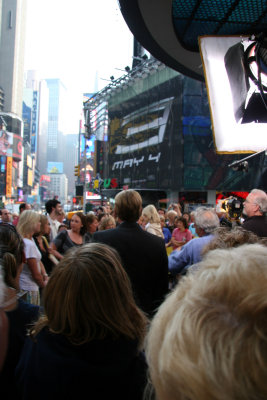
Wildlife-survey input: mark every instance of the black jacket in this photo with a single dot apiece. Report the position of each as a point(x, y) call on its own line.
point(52, 368)
point(256, 224)
point(145, 260)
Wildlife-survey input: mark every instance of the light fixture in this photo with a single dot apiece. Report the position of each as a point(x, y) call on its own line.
point(246, 65)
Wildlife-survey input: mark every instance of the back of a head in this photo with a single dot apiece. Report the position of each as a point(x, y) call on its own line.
point(88, 296)
point(128, 205)
point(208, 340)
point(11, 254)
point(206, 219)
point(151, 213)
point(22, 207)
point(226, 237)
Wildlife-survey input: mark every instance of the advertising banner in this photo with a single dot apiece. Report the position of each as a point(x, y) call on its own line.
point(140, 154)
point(9, 177)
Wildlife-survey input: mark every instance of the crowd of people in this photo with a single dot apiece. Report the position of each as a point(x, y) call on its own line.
point(133, 302)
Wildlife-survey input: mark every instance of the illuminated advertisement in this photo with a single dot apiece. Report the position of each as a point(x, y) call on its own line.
point(9, 177)
point(54, 167)
point(34, 122)
point(140, 154)
point(87, 147)
point(6, 143)
point(161, 139)
point(10, 136)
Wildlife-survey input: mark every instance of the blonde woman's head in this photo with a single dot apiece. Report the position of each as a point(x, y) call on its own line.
point(208, 340)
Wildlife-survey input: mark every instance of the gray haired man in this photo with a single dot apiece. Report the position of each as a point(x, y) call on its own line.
point(206, 221)
point(255, 208)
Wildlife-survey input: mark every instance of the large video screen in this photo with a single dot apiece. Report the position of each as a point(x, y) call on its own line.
point(143, 143)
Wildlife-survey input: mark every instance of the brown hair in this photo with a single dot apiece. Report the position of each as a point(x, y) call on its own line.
point(89, 296)
point(83, 221)
point(128, 205)
point(11, 253)
point(89, 219)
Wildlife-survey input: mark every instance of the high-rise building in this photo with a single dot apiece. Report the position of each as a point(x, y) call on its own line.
point(12, 43)
point(70, 159)
point(57, 119)
point(59, 186)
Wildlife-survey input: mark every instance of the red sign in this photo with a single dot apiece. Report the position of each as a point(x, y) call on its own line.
point(45, 178)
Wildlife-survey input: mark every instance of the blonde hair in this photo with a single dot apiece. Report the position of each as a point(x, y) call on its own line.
point(27, 221)
point(89, 296)
point(128, 205)
point(105, 221)
point(151, 213)
point(208, 340)
point(171, 214)
point(43, 220)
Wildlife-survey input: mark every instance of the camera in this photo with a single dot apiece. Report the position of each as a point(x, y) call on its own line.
point(233, 207)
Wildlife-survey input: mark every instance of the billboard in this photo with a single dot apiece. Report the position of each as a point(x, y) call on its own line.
point(161, 139)
point(54, 167)
point(10, 136)
point(140, 154)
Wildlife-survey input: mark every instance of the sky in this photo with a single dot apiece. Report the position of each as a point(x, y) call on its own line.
point(80, 42)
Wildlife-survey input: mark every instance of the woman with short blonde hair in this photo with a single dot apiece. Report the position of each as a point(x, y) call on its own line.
point(107, 222)
point(208, 339)
point(152, 219)
point(33, 276)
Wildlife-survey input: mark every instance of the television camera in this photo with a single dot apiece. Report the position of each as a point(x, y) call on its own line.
point(232, 209)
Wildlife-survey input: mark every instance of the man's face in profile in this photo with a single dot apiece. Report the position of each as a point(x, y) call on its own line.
point(6, 217)
point(58, 209)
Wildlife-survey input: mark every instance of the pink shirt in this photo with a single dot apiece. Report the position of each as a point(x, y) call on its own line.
point(180, 236)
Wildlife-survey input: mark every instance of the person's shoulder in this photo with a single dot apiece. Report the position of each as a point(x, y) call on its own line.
point(62, 234)
point(255, 218)
point(27, 308)
point(30, 243)
point(102, 235)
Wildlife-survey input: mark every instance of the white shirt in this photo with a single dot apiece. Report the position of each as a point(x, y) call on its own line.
point(26, 281)
point(54, 225)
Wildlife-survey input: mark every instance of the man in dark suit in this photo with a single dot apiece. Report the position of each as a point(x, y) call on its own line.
point(143, 254)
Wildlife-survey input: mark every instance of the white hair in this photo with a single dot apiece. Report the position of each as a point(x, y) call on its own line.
point(206, 330)
point(260, 199)
point(206, 219)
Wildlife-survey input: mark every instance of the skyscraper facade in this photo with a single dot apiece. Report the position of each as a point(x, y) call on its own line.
point(12, 45)
point(56, 119)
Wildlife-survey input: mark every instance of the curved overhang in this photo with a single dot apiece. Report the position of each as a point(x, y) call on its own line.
point(151, 24)
point(169, 29)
